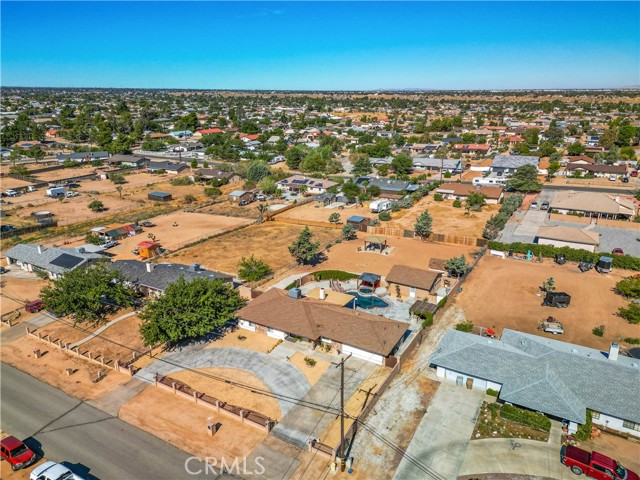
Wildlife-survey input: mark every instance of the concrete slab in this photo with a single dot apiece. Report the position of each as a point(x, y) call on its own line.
point(441, 440)
point(19, 330)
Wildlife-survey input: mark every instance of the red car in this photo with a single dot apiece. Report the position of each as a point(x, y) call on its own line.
point(16, 453)
point(34, 306)
point(617, 251)
point(594, 465)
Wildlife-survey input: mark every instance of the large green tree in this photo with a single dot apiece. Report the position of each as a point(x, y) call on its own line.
point(402, 164)
point(457, 266)
point(189, 310)
point(88, 294)
point(361, 165)
point(525, 179)
point(423, 224)
point(252, 269)
point(304, 249)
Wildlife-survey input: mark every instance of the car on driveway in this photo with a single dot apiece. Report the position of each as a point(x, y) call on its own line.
point(16, 453)
point(53, 471)
point(617, 251)
point(71, 194)
point(544, 205)
point(534, 206)
point(109, 244)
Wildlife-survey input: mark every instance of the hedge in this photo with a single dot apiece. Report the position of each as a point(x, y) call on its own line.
point(492, 392)
point(327, 275)
point(584, 431)
point(537, 421)
point(625, 262)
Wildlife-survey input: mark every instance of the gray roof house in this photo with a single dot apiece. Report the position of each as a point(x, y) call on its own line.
point(55, 261)
point(82, 156)
point(388, 186)
point(427, 163)
point(157, 277)
point(507, 164)
point(559, 379)
point(169, 167)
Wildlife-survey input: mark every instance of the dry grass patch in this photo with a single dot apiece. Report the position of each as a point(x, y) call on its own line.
point(314, 372)
point(245, 339)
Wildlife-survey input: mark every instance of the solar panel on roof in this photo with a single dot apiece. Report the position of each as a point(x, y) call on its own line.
point(66, 261)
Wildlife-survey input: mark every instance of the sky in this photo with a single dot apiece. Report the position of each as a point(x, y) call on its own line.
point(321, 45)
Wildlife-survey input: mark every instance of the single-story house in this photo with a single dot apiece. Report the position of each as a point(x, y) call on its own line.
point(128, 160)
point(327, 198)
point(580, 160)
point(207, 131)
point(365, 336)
point(479, 148)
point(437, 164)
point(213, 174)
point(597, 169)
point(377, 161)
point(116, 232)
point(559, 236)
point(593, 204)
point(460, 191)
point(160, 196)
point(508, 164)
point(388, 188)
point(561, 380)
point(414, 282)
point(241, 197)
point(313, 185)
point(54, 261)
point(187, 147)
point(169, 167)
point(181, 134)
point(82, 157)
point(154, 278)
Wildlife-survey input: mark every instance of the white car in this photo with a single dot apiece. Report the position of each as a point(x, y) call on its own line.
point(11, 193)
point(71, 194)
point(109, 244)
point(53, 471)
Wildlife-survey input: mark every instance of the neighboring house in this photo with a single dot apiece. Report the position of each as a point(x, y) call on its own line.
point(597, 169)
point(54, 261)
point(580, 160)
point(479, 148)
point(460, 191)
point(436, 164)
point(593, 140)
point(128, 161)
point(313, 185)
point(212, 174)
point(187, 147)
point(561, 380)
point(414, 282)
point(172, 168)
point(241, 197)
point(116, 232)
point(181, 134)
point(365, 336)
point(573, 237)
point(207, 131)
point(155, 278)
point(594, 204)
point(388, 188)
point(508, 164)
point(82, 157)
point(377, 161)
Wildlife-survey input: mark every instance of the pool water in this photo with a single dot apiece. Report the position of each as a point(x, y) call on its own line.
point(367, 301)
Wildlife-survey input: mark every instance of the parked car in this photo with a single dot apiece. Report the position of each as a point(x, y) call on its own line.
point(53, 471)
point(612, 178)
point(3, 270)
point(16, 453)
point(261, 197)
point(544, 206)
point(617, 251)
point(147, 224)
point(11, 193)
point(534, 206)
point(594, 464)
point(34, 306)
point(71, 194)
point(109, 244)
point(634, 173)
point(135, 251)
point(625, 179)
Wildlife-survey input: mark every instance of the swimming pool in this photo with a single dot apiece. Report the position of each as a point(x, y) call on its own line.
point(367, 301)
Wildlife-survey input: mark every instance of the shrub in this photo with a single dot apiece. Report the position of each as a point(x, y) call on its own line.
point(188, 198)
point(457, 203)
point(598, 331)
point(212, 191)
point(442, 302)
point(438, 197)
point(632, 340)
point(584, 431)
point(117, 178)
point(629, 287)
point(464, 326)
point(181, 181)
point(631, 313)
point(537, 421)
point(309, 361)
point(384, 216)
point(492, 392)
point(447, 174)
point(427, 319)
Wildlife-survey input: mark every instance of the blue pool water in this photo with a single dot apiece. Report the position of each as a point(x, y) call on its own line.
point(367, 302)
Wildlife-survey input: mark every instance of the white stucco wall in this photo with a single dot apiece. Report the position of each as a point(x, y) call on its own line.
point(247, 325)
point(273, 333)
point(560, 243)
point(362, 354)
point(478, 383)
point(614, 423)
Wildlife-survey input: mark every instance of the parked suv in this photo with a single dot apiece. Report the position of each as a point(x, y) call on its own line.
point(16, 453)
point(53, 471)
point(534, 205)
point(544, 206)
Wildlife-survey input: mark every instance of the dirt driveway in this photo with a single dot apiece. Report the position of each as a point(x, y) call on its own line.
point(503, 293)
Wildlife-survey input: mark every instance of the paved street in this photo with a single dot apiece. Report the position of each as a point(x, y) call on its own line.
point(95, 444)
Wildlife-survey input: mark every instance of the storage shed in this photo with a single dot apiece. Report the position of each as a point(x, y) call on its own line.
point(160, 196)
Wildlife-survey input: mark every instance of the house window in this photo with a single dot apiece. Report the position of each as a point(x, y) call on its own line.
point(631, 425)
point(595, 415)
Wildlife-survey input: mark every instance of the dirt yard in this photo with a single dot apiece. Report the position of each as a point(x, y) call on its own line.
point(314, 372)
point(505, 294)
point(268, 241)
point(447, 219)
point(190, 227)
point(311, 211)
point(63, 173)
point(183, 424)
point(198, 380)
point(252, 341)
point(133, 181)
point(18, 290)
point(224, 207)
point(119, 341)
point(625, 451)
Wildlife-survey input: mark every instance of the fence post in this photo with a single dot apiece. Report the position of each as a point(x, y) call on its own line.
point(173, 384)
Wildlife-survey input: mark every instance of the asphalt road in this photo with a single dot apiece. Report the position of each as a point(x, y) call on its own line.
point(89, 441)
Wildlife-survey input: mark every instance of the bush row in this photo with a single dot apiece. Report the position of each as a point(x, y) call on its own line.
point(625, 262)
point(531, 419)
point(497, 222)
point(327, 275)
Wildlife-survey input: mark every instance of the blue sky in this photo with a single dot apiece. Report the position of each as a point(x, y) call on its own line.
point(323, 45)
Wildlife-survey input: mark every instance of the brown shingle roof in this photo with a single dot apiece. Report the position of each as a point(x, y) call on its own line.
point(313, 319)
point(413, 277)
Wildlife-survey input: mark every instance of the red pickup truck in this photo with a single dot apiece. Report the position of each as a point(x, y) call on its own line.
point(594, 465)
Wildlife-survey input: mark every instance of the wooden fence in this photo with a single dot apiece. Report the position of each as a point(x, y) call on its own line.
point(457, 240)
point(270, 215)
point(391, 232)
point(245, 415)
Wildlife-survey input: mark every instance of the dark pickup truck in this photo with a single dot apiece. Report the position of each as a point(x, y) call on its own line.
point(594, 465)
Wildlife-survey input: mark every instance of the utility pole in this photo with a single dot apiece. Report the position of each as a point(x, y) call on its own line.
point(341, 449)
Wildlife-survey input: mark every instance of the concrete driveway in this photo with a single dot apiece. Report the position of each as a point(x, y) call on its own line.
point(281, 377)
point(441, 440)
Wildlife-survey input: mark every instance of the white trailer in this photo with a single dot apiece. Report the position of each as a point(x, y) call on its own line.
point(56, 192)
point(381, 205)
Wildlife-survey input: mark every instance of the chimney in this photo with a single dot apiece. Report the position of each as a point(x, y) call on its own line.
point(322, 295)
point(149, 266)
point(613, 352)
point(195, 267)
point(80, 249)
point(40, 249)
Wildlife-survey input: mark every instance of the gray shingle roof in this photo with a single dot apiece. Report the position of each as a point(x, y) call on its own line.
point(52, 259)
point(515, 161)
point(557, 378)
point(162, 274)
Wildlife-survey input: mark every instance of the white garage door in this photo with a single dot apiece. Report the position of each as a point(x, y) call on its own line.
point(273, 333)
point(369, 357)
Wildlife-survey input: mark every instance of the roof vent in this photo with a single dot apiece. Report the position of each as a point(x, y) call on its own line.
point(573, 350)
point(614, 350)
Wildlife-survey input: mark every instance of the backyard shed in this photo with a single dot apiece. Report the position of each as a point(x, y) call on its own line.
point(357, 221)
point(160, 196)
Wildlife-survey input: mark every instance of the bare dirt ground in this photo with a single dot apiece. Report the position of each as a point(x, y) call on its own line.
point(7, 183)
point(198, 380)
point(633, 184)
point(51, 367)
point(18, 290)
point(252, 341)
point(119, 341)
point(183, 424)
point(623, 450)
point(63, 173)
point(225, 207)
point(446, 218)
point(268, 241)
point(315, 213)
point(313, 373)
point(504, 294)
point(133, 181)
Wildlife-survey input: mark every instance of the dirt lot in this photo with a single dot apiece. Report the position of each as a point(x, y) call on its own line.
point(316, 213)
point(133, 181)
point(63, 173)
point(511, 288)
point(268, 241)
point(224, 207)
point(446, 218)
point(252, 341)
point(17, 290)
point(7, 183)
point(625, 451)
point(119, 341)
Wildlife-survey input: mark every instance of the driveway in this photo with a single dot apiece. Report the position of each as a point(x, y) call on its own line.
point(441, 440)
point(19, 329)
point(282, 378)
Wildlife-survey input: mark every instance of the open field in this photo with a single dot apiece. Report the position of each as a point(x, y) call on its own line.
point(446, 218)
point(17, 290)
point(504, 294)
point(183, 424)
point(320, 214)
point(225, 207)
point(268, 241)
point(63, 173)
point(7, 182)
point(119, 341)
point(133, 180)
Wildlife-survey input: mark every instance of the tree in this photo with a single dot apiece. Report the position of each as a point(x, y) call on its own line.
point(549, 285)
point(16, 154)
point(262, 209)
point(423, 224)
point(350, 190)
point(96, 206)
point(402, 164)
point(475, 200)
point(189, 310)
point(88, 294)
point(629, 287)
point(19, 170)
point(361, 166)
point(35, 152)
point(119, 190)
point(117, 178)
point(334, 218)
point(194, 163)
point(294, 157)
point(552, 169)
point(384, 216)
point(303, 249)
point(383, 170)
point(575, 148)
point(257, 171)
point(348, 232)
point(253, 269)
point(525, 179)
point(188, 122)
point(457, 266)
